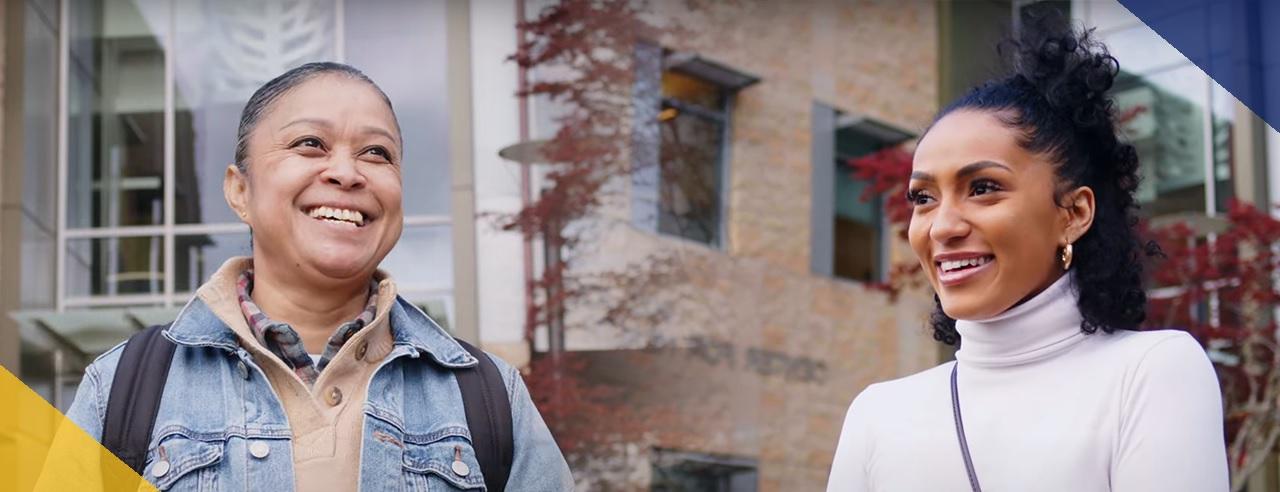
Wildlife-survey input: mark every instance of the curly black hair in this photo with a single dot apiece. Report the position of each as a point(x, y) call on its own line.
point(1056, 97)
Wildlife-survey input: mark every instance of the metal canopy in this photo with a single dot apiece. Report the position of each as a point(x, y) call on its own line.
point(695, 65)
point(90, 331)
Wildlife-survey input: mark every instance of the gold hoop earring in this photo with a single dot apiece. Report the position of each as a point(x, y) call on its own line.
point(1066, 256)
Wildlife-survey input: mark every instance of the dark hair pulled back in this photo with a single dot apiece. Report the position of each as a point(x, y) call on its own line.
point(266, 96)
point(1056, 98)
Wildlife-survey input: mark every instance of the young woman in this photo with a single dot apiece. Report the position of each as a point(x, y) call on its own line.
point(1023, 221)
point(300, 368)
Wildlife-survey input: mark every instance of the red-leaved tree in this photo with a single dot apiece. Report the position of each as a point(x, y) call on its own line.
point(1222, 286)
point(581, 57)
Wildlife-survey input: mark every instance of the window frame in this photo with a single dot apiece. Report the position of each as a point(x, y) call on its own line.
point(667, 458)
point(652, 62)
point(825, 153)
point(169, 229)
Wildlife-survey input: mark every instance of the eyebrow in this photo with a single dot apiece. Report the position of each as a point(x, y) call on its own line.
point(326, 124)
point(964, 172)
point(379, 131)
point(308, 121)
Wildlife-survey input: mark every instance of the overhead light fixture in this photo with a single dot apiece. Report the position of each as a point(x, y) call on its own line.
point(527, 152)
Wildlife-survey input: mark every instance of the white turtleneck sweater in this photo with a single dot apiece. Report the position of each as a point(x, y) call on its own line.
point(1045, 407)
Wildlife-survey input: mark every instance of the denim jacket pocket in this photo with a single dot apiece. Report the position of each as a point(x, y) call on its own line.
point(447, 464)
point(182, 463)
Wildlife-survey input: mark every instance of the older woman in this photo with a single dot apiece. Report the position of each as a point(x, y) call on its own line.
point(300, 367)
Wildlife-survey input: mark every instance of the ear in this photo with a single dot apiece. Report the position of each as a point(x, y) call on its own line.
point(235, 188)
point(1078, 207)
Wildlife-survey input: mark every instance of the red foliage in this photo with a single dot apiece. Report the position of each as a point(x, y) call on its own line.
point(1225, 290)
point(580, 53)
point(566, 401)
point(887, 171)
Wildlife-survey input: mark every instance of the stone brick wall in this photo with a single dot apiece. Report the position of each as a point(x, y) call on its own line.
point(770, 354)
point(877, 59)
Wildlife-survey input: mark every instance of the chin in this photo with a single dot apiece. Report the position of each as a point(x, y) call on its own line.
point(337, 264)
point(959, 307)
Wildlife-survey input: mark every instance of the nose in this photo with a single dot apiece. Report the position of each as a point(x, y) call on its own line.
point(343, 173)
point(948, 224)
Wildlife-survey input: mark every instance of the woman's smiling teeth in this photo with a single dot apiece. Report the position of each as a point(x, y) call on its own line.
point(339, 215)
point(953, 265)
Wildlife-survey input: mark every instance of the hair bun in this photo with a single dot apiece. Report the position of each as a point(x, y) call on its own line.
point(1067, 66)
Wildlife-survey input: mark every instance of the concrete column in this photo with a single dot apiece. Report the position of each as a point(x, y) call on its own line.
point(463, 198)
point(822, 224)
point(11, 162)
point(496, 121)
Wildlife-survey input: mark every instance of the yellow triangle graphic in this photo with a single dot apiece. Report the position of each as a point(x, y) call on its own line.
point(41, 449)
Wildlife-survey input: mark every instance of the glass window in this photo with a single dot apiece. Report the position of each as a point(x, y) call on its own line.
point(197, 256)
point(440, 310)
point(1180, 120)
point(1162, 114)
point(422, 266)
point(675, 471)
point(223, 51)
point(681, 140)
point(116, 82)
point(218, 53)
point(1106, 15)
point(401, 46)
point(1140, 50)
point(847, 225)
point(692, 133)
point(115, 266)
point(1224, 158)
point(859, 230)
point(422, 262)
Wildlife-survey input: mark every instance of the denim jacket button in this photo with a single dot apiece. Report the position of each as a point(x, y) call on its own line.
point(461, 468)
point(333, 397)
point(243, 369)
point(160, 469)
point(259, 449)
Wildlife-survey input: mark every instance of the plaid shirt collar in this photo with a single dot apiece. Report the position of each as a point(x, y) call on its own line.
point(284, 342)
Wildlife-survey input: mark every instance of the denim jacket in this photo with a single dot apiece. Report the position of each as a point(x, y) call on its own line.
point(218, 408)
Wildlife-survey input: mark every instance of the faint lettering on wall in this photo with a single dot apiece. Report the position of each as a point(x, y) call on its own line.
point(762, 361)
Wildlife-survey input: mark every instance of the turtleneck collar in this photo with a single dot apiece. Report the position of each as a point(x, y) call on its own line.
point(1045, 325)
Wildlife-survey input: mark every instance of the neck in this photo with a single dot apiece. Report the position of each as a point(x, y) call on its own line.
point(313, 309)
point(1041, 327)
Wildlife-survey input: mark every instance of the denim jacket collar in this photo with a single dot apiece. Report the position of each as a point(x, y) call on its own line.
point(412, 328)
point(198, 325)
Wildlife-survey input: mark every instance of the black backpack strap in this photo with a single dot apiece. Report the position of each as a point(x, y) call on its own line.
point(484, 395)
point(135, 395)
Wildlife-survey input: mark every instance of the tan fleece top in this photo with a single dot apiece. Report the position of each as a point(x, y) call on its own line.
point(328, 420)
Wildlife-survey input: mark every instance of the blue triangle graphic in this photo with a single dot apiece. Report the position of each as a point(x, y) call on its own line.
point(1236, 42)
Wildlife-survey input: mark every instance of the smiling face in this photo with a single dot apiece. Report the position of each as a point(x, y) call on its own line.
point(984, 222)
point(322, 191)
